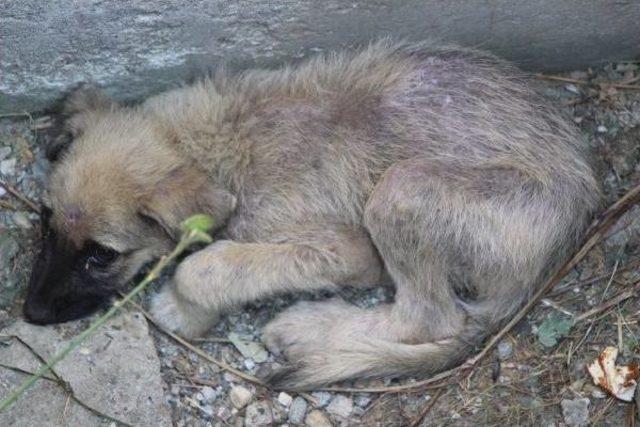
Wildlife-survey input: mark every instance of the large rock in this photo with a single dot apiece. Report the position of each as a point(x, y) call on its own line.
point(115, 371)
point(138, 47)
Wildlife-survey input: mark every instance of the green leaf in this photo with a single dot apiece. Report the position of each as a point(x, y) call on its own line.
point(200, 222)
point(553, 328)
point(197, 236)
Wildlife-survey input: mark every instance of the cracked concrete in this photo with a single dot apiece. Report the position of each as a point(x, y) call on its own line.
point(115, 371)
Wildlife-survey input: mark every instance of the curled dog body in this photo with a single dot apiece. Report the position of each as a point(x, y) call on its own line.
point(437, 169)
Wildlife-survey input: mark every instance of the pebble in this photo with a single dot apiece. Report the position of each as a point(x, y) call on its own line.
point(341, 406)
point(4, 152)
point(223, 413)
point(297, 410)
point(240, 396)
point(258, 414)
point(2, 191)
point(249, 349)
point(323, 398)
point(317, 419)
point(8, 167)
point(208, 409)
point(505, 350)
point(572, 88)
point(285, 399)
point(249, 364)
point(362, 400)
point(575, 412)
point(209, 394)
point(601, 129)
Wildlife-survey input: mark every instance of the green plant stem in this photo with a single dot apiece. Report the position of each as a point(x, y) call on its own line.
point(188, 238)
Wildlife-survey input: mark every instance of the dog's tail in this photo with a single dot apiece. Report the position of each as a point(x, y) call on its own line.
point(367, 357)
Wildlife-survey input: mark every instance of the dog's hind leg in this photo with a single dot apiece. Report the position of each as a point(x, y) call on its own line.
point(463, 248)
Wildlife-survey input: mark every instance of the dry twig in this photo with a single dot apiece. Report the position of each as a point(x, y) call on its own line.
point(57, 379)
point(425, 410)
point(621, 86)
point(24, 199)
point(195, 349)
point(630, 293)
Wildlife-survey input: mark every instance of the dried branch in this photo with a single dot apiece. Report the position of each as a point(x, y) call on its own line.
point(24, 199)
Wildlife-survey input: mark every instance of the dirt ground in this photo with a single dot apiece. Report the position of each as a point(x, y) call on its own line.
point(536, 375)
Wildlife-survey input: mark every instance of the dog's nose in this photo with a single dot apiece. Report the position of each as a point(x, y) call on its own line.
point(37, 313)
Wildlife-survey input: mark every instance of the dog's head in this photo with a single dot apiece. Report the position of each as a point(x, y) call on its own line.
point(117, 193)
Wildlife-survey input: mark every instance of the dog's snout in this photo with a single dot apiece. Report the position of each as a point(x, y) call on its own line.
point(37, 313)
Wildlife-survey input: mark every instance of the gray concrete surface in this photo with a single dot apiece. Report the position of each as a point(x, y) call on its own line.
point(138, 47)
point(116, 371)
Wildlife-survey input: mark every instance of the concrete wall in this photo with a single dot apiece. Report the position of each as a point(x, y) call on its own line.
point(138, 47)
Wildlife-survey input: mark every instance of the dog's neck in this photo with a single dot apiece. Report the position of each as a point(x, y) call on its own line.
point(209, 129)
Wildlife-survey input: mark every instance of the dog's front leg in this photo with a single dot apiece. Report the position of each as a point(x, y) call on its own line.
point(227, 274)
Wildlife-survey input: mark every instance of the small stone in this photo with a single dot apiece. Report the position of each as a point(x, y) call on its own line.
point(601, 129)
point(249, 349)
point(8, 167)
point(362, 400)
point(505, 350)
point(575, 412)
point(4, 152)
point(249, 364)
point(223, 413)
point(298, 410)
point(2, 191)
point(572, 88)
point(285, 399)
point(258, 414)
point(240, 396)
point(324, 397)
point(317, 419)
point(199, 396)
point(341, 406)
point(208, 410)
point(209, 393)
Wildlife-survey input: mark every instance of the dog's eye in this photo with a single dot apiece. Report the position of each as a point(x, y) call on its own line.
point(99, 256)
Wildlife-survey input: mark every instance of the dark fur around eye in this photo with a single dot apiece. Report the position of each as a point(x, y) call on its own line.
point(98, 256)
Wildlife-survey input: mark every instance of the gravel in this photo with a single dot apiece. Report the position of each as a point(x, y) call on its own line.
point(341, 405)
point(285, 399)
point(317, 419)
point(575, 412)
point(298, 410)
point(258, 414)
point(240, 396)
point(505, 350)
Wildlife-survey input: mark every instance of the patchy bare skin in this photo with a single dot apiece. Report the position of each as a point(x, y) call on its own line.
point(436, 168)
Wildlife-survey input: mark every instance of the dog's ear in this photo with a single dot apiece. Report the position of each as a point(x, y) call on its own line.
point(71, 115)
point(182, 193)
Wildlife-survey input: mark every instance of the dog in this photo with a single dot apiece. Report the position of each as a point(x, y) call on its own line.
point(436, 169)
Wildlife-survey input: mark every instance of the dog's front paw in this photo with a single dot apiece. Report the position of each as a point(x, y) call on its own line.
point(180, 316)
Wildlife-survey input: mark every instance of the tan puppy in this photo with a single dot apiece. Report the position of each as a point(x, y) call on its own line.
point(438, 168)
